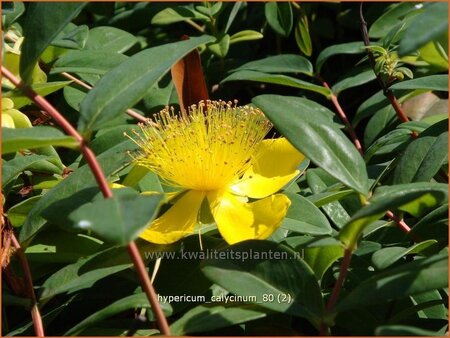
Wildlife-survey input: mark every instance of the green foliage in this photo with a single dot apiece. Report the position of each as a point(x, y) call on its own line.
point(305, 66)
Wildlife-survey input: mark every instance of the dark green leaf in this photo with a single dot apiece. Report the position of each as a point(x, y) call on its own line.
point(279, 17)
point(356, 47)
point(394, 16)
point(415, 198)
point(284, 63)
point(110, 161)
point(72, 37)
point(261, 278)
point(37, 137)
point(409, 279)
point(323, 144)
point(130, 81)
point(385, 257)
point(109, 39)
point(41, 28)
point(134, 301)
point(304, 217)
point(302, 36)
point(10, 15)
point(430, 82)
point(204, 318)
point(404, 330)
point(427, 26)
point(18, 213)
point(119, 219)
point(250, 75)
point(354, 78)
point(422, 159)
point(321, 258)
point(87, 61)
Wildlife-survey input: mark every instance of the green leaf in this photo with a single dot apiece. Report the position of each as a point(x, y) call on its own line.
point(43, 89)
point(72, 37)
point(356, 47)
point(422, 159)
point(284, 63)
point(9, 16)
point(430, 82)
point(37, 137)
point(394, 16)
point(176, 14)
point(56, 246)
point(110, 161)
point(138, 300)
point(12, 168)
point(289, 280)
point(205, 318)
point(85, 272)
point(302, 36)
point(245, 35)
point(279, 17)
point(404, 330)
point(130, 81)
point(323, 144)
point(304, 217)
point(220, 46)
point(352, 79)
point(427, 26)
point(250, 75)
point(119, 219)
point(415, 198)
point(87, 61)
point(18, 213)
point(109, 39)
point(409, 279)
point(385, 257)
point(40, 29)
point(322, 257)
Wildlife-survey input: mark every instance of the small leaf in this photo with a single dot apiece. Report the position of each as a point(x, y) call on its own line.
point(392, 17)
point(72, 37)
point(352, 79)
point(356, 47)
point(385, 257)
point(323, 144)
point(302, 36)
point(430, 82)
point(119, 219)
point(245, 35)
point(18, 213)
point(110, 39)
point(43, 89)
point(250, 75)
point(409, 279)
point(284, 63)
point(304, 217)
point(221, 46)
point(321, 258)
point(279, 17)
point(40, 30)
point(37, 137)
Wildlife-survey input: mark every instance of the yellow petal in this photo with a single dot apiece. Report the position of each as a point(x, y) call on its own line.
point(239, 221)
point(177, 222)
point(275, 164)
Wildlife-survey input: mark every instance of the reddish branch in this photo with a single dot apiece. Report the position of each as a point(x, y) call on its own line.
point(130, 112)
point(342, 116)
point(35, 314)
point(104, 187)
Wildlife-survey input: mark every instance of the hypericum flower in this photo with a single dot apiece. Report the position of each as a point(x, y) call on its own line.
point(216, 153)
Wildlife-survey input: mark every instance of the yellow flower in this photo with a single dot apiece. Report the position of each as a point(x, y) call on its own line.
point(216, 153)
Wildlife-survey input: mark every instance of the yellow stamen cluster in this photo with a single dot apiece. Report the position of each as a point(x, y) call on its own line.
point(206, 148)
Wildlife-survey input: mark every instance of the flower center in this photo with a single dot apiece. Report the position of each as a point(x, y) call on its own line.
point(206, 148)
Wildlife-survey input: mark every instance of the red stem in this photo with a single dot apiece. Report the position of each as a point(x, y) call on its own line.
point(130, 112)
point(401, 223)
point(104, 187)
point(35, 314)
point(342, 116)
point(337, 288)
